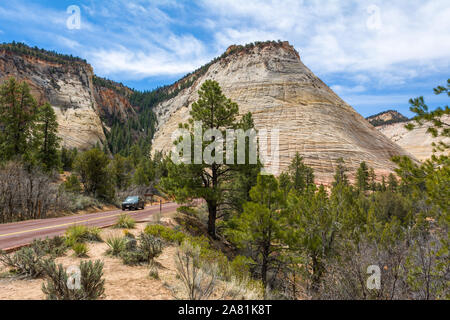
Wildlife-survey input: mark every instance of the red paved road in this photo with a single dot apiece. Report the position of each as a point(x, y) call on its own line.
point(21, 233)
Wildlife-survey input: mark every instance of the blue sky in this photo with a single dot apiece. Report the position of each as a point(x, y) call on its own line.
point(375, 55)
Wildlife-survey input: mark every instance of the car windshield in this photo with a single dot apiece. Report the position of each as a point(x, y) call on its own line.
point(131, 199)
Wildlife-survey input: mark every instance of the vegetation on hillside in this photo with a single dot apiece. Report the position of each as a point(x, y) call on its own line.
point(31, 159)
point(303, 240)
point(377, 121)
point(46, 55)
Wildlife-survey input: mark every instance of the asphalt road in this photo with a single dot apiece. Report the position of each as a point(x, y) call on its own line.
point(13, 235)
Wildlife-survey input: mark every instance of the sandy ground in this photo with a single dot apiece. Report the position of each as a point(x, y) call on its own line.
point(121, 282)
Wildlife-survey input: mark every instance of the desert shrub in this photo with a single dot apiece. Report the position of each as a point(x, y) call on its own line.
point(131, 242)
point(199, 279)
point(133, 258)
point(125, 221)
point(165, 233)
point(148, 247)
point(80, 249)
point(81, 233)
point(153, 271)
point(93, 234)
point(55, 247)
point(25, 262)
point(77, 202)
point(116, 245)
point(244, 289)
point(91, 284)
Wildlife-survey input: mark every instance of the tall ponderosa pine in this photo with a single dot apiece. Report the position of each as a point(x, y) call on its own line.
point(207, 181)
point(17, 115)
point(46, 138)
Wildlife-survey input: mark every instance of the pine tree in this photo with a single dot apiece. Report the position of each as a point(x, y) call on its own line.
point(205, 180)
point(260, 225)
point(301, 175)
point(311, 231)
point(17, 115)
point(392, 183)
point(362, 177)
point(340, 176)
point(372, 180)
point(46, 138)
point(93, 169)
point(120, 169)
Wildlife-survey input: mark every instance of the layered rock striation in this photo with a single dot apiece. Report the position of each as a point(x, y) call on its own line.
point(270, 81)
point(67, 87)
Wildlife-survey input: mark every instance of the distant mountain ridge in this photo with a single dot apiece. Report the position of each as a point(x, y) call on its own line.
point(386, 117)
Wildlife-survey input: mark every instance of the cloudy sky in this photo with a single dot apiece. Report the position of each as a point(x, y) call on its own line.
point(374, 54)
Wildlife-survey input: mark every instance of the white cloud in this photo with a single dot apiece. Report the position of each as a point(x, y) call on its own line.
point(179, 55)
point(167, 37)
point(333, 36)
point(341, 90)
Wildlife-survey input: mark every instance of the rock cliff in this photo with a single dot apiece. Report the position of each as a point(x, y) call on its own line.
point(417, 141)
point(67, 87)
point(270, 80)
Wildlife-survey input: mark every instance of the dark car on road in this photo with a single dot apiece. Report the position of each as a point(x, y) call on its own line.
point(133, 203)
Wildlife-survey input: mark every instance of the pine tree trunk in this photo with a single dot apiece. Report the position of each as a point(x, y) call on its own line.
point(212, 210)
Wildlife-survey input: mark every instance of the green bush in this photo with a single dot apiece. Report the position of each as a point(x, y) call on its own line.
point(125, 221)
point(56, 247)
point(240, 267)
point(72, 184)
point(165, 233)
point(91, 284)
point(80, 249)
point(81, 233)
point(133, 258)
point(148, 248)
point(116, 245)
point(25, 262)
point(187, 210)
point(210, 255)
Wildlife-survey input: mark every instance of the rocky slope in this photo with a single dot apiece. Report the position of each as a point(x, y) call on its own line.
point(418, 142)
point(270, 81)
point(386, 117)
point(67, 87)
point(113, 100)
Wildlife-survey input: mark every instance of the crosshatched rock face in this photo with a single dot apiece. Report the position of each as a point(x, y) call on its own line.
point(69, 89)
point(272, 83)
point(417, 141)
